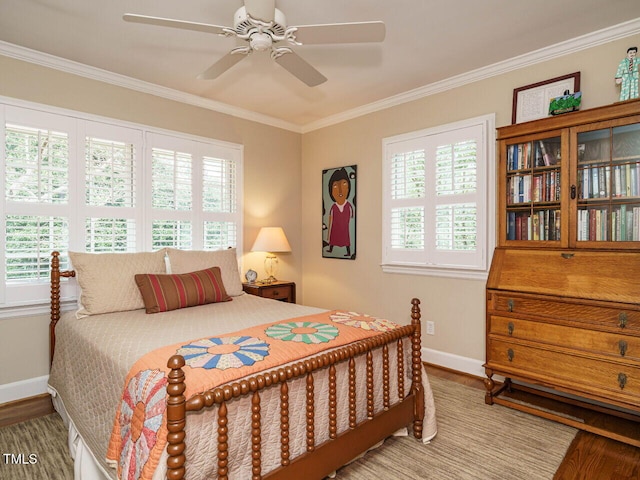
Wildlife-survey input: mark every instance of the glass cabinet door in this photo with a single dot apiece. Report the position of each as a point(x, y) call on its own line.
point(533, 190)
point(608, 185)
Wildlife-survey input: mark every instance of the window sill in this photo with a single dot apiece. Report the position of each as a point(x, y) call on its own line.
point(432, 271)
point(15, 311)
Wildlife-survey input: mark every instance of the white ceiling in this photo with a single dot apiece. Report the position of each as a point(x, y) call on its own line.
point(427, 41)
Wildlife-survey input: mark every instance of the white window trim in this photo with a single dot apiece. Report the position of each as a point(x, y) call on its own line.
point(10, 308)
point(418, 268)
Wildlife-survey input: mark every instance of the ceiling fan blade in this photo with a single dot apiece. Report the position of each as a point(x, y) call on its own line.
point(221, 66)
point(168, 22)
point(261, 9)
point(300, 68)
point(358, 32)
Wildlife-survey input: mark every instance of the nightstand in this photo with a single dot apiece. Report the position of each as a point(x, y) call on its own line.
point(283, 291)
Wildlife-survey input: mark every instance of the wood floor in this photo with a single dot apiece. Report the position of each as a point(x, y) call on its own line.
point(21, 410)
point(589, 457)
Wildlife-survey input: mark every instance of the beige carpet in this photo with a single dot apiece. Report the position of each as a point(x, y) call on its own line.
point(474, 442)
point(38, 448)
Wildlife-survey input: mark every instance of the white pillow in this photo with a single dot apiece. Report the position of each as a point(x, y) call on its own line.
point(185, 261)
point(107, 280)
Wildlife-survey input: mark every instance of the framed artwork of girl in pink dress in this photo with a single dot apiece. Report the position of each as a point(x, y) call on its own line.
point(339, 212)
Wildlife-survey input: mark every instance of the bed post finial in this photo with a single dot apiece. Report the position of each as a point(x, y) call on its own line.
point(176, 418)
point(416, 369)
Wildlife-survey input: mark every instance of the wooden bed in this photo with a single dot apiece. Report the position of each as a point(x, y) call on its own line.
point(401, 408)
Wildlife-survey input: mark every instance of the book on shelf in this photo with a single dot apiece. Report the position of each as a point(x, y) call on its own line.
point(586, 175)
point(623, 181)
point(523, 227)
point(535, 227)
point(595, 187)
point(602, 182)
point(547, 158)
point(538, 187)
point(617, 181)
point(511, 225)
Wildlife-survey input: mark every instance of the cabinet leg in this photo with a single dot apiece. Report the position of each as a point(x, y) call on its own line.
point(507, 385)
point(489, 385)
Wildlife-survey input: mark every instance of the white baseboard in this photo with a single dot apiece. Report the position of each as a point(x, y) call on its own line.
point(467, 365)
point(23, 389)
point(37, 386)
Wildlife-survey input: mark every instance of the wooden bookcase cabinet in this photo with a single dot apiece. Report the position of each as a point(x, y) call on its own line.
point(563, 293)
point(571, 181)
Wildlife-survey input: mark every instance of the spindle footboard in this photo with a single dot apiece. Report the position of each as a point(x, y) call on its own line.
point(340, 448)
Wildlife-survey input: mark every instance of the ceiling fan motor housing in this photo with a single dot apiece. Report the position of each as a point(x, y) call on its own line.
point(243, 25)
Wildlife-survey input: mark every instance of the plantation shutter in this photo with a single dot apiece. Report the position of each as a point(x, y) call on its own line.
point(435, 198)
point(112, 221)
point(219, 202)
point(172, 197)
point(36, 179)
point(195, 194)
point(407, 191)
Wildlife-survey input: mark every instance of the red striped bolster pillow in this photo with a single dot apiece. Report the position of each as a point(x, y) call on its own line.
point(162, 293)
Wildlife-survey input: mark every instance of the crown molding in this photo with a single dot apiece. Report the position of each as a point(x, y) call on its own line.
point(599, 37)
point(76, 68)
point(632, 27)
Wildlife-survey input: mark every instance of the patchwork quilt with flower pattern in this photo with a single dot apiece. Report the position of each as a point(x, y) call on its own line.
point(139, 432)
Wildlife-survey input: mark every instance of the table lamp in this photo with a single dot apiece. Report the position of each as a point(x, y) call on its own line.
point(271, 240)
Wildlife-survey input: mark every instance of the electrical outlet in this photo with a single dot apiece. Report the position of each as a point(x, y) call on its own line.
point(431, 328)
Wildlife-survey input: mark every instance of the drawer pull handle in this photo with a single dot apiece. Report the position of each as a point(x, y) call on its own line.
point(622, 317)
point(510, 304)
point(567, 255)
point(622, 380)
point(510, 355)
point(510, 328)
point(276, 293)
point(622, 345)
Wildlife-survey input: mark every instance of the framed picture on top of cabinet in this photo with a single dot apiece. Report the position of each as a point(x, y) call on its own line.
point(531, 102)
point(339, 212)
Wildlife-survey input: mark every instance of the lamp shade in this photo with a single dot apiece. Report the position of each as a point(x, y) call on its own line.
point(271, 239)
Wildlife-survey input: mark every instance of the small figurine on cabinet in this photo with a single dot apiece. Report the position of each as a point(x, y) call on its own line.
point(627, 75)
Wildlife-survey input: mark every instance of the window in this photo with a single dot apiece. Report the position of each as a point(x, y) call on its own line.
point(438, 214)
point(72, 183)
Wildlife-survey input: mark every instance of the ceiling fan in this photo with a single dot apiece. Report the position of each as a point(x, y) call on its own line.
point(264, 27)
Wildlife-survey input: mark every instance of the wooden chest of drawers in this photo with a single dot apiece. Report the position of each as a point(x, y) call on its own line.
point(569, 340)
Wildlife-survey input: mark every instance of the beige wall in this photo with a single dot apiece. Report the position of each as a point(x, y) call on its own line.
point(293, 163)
point(271, 158)
point(456, 306)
